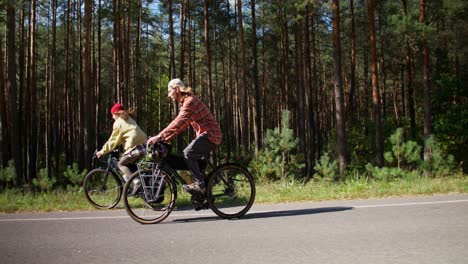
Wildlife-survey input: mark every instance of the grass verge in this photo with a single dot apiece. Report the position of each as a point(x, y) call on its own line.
point(277, 192)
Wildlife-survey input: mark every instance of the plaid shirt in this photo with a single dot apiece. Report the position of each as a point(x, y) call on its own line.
point(195, 113)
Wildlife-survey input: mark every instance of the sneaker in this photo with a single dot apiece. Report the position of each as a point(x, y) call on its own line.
point(136, 188)
point(194, 187)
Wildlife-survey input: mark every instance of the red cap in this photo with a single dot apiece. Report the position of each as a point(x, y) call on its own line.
point(117, 107)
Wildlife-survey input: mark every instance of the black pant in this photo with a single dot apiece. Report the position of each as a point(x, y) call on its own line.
point(197, 149)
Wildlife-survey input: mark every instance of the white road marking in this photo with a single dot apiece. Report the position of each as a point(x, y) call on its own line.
point(175, 214)
point(409, 204)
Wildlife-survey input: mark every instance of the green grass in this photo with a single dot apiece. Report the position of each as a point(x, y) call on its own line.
point(358, 188)
point(283, 191)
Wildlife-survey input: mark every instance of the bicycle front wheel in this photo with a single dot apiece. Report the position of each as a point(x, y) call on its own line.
point(230, 191)
point(102, 188)
point(153, 200)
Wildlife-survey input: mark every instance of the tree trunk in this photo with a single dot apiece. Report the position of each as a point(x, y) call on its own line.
point(67, 83)
point(310, 129)
point(184, 10)
point(88, 87)
point(338, 88)
point(32, 94)
point(5, 151)
point(50, 122)
point(257, 106)
point(172, 69)
point(13, 93)
point(243, 66)
point(99, 103)
point(301, 78)
point(409, 81)
point(81, 128)
point(189, 48)
point(375, 91)
point(229, 100)
point(426, 83)
point(21, 94)
point(209, 82)
point(117, 51)
point(383, 68)
point(138, 70)
point(353, 66)
point(129, 90)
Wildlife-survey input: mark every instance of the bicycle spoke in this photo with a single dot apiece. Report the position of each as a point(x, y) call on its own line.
point(102, 189)
point(231, 191)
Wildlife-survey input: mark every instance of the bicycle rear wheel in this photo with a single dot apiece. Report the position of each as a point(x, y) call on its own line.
point(230, 191)
point(155, 198)
point(102, 188)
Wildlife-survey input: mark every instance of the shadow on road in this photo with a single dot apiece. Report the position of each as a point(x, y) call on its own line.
point(258, 215)
point(296, 212)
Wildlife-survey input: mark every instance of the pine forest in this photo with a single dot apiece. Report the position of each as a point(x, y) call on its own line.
point(297, 79)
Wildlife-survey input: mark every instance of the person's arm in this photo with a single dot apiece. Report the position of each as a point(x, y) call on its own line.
point(181, 122)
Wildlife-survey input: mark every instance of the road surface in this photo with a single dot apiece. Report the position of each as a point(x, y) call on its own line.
point(431, 229)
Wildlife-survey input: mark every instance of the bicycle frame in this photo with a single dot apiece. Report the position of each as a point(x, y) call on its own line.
point(156, 168)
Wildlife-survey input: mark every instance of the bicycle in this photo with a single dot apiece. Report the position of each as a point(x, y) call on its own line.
point(229, 191)
point(103, 185)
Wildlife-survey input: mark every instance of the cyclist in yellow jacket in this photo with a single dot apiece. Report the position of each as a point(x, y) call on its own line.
point(127, 133)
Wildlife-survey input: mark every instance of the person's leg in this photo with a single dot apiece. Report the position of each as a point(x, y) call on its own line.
point(198, 148)
point(126, 160)
point(123, 165)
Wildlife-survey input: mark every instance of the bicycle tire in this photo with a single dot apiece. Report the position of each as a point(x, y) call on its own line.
point(102, 188)
point(230, 191)
point(147, 207)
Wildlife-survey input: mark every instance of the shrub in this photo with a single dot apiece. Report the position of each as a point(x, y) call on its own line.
point(436, 163)
point(278, 159)
point(43, 182)
point(73, 174)
point(8, 174)
point(404, 154)
point(326, 168)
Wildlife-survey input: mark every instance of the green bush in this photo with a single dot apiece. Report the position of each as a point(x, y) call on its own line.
point(386, 173)
point(73, 174)
point(436, 163)
point(43, 182)
point(404, 154)
point(450, 116)
point(326, 169)
point(277, 160)
point(402, 161)
point(8, 174)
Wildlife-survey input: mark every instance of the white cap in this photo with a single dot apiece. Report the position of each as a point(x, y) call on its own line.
point(175, 82)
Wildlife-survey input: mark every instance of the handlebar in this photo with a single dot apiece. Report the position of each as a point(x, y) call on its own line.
point(113, 153)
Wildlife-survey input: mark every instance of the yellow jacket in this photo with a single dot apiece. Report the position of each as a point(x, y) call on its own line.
point(126, 133)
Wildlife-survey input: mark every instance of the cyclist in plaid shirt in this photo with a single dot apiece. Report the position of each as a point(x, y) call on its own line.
point(208, 134)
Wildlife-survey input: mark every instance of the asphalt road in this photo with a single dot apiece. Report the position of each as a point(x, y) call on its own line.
point(403, 230)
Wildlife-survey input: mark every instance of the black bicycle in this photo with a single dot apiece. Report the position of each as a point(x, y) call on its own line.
point(103, 186)
point(229, 192)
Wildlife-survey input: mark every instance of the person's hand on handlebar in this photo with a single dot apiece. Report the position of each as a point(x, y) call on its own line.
point(99, 154)
point(153, 140)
